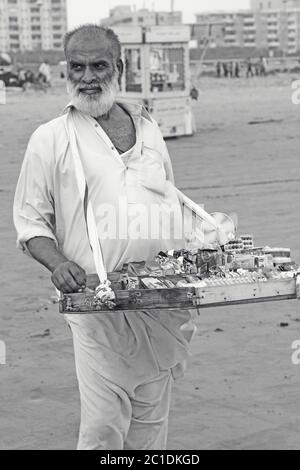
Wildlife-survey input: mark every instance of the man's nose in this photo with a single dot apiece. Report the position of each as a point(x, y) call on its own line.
point(88, 76)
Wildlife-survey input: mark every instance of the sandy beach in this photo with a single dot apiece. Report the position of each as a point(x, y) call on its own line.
point(241, 389)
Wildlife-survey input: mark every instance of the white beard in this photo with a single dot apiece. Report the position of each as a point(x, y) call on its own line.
point(95, 105)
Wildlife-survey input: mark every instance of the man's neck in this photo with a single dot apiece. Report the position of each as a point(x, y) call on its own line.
point(109, 114)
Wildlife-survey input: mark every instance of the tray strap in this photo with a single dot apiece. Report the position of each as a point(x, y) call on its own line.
point(88, 209)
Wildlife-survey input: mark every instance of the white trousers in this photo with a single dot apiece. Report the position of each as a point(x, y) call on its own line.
point(113, 420)
point(125, 365)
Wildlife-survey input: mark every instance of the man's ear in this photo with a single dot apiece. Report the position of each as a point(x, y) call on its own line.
point(120, 67)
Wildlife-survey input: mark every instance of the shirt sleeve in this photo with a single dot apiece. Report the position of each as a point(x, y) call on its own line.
point(168, 164)
point(34, 203)
point(164, 152)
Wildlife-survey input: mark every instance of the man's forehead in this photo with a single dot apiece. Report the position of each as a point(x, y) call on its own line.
point(94, 55)
point(97, 47)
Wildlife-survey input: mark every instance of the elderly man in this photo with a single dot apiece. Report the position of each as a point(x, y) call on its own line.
point(125, 362)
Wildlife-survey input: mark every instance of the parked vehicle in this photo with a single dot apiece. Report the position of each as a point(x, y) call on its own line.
point(10, 79)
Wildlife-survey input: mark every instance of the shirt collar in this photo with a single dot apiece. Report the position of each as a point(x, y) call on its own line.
point(137, 111)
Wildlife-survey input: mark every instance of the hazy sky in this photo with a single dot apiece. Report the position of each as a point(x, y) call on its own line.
point(81, 11)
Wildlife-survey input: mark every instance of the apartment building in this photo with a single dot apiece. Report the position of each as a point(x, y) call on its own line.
point(125, 15)
point(262, 28)
point(28, 25)
point(274, 4)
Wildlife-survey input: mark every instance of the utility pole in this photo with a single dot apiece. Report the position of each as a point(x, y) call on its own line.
point(206, 40)
point(172, 11)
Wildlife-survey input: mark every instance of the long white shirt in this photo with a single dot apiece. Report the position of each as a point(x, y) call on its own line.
point(47, 201)
point(47, 204)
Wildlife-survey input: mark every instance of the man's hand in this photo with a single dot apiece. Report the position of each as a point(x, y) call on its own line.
point(68, 277)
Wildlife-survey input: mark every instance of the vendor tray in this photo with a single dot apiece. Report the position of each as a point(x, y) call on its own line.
point(178, 298)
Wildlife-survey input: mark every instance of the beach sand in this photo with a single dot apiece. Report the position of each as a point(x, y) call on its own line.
point(241, 389)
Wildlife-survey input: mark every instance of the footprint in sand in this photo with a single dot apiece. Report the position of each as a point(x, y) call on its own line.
point(36, 394)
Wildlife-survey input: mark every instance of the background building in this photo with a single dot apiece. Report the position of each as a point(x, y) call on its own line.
point(262, 28)
point(29, 25)
point(126, 15)
point(274, 4)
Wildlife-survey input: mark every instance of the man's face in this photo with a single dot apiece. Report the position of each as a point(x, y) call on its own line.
point(93, 74)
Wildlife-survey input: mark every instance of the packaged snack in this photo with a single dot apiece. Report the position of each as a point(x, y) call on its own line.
point(278, 252)
point(154, 269)
point(247, 241)
point(168, 269)
point(264, 262)
point(152, 283)
point(280, 256)
point(124, 281)
point(178, 264)
point(192, 279)
point(133, 283)
point(161, 255)
point(235, 246)
point(138, 269)
point(244, 261)
point(168, 283)
point(182, 283)
point(287, 267)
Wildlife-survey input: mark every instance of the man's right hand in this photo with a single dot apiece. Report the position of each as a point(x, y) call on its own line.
point(68, 277)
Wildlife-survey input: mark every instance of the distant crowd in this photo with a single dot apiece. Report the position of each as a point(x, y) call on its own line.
point(234, 68)
point(42, 78)
point(26, 78)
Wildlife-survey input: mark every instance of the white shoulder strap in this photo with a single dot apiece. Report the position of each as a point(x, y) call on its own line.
point(87, 206)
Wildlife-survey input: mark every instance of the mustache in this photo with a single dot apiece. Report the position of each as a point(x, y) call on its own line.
point(80, 88)
point(102, 86)
point(90, 87)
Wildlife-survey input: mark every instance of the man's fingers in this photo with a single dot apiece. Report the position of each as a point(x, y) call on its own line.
point(69, 277)
point(78, 274)
point(70, 281)
point(60, 284)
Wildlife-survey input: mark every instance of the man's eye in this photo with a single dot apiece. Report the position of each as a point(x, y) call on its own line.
point(76, 67)
point(99, 66)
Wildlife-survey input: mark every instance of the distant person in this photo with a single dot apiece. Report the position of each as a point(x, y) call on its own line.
point(194, 93)
point(230, 69)
point(263, 66)
point(29, 76)
point(257, 68)
point(45, 72)
point(62, 75)
point(219, 69)
point(22, 76)
point(249, 68)
point(236, 69)
point(225, 69)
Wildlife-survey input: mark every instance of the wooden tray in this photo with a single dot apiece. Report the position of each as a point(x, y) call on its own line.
point(180, 298)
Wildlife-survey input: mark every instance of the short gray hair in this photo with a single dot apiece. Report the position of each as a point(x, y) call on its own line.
point(95, 29)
